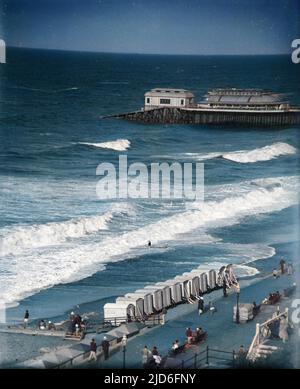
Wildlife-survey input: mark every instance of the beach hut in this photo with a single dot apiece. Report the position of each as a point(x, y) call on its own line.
point(117, 313)
point(138, 303)
point(185, 287)
point(193, 284)
point(203, 283)
point(147, 297)
point(212, 279)
point(175, 290)
point(166, 292)
point(157, 297)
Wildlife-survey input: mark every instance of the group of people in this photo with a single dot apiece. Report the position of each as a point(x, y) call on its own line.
point(273, 298)
point(196, 336)
point(93, 349)
point(280, 327)
point(42, 324)
point(77, 324)
point(151, 358)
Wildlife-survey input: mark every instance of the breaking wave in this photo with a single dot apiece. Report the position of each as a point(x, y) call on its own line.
point(118, 145)
point(47, 268)
point(18, 239)
point(265, 153)
point(262, 154)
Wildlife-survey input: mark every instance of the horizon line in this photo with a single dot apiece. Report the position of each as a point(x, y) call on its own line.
point(137, 53)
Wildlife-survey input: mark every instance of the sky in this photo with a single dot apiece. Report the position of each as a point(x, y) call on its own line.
point(200, 27)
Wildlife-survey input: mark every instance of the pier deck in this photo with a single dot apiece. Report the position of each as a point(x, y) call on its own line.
point(194, 115)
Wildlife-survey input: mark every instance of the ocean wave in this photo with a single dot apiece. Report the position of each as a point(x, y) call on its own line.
point(39, 271)
point(118, 145)
point(262, 154)
point(18, 239)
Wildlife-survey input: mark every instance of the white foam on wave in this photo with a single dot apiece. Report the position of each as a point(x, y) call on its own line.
point(34, 272)
point(265, 153)
point(17, 239)
point(262, 154)
point(118, 145)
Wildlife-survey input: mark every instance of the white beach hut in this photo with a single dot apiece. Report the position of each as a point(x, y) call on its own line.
point(203, 282)
point(193, 284)
point(147, 298)
point(166, 291)
point(157, 296)
point(185, 287)
point(138, 303)
point(175, 289)
point(117, 313)
point(212, 279)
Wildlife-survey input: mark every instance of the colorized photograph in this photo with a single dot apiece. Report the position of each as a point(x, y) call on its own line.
point(149, 187)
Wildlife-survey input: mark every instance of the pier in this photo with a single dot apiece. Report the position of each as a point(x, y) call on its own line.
point(201, 116)
point(226, 107)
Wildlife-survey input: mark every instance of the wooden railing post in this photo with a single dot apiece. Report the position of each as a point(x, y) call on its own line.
point(207, 356)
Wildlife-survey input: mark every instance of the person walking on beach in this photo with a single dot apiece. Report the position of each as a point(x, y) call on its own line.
point(26, 318)
point(200, 305)
point(105, 347)
point(93, 350)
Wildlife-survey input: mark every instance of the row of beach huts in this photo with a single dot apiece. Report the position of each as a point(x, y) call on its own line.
point(154, 299)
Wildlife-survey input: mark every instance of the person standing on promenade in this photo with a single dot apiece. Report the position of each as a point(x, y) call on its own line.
point(189, 335)
point(200, 305)
point(26, 318)
point(146, 355)
point(283, 329)
point(93, 350)
point(105, 347)
point(275, 273)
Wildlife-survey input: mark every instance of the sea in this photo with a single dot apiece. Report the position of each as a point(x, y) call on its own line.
point(62, 246)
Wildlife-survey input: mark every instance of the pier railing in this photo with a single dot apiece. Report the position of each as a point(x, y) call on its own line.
point(262, 333)
point(150, 320)
point(206, 358)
